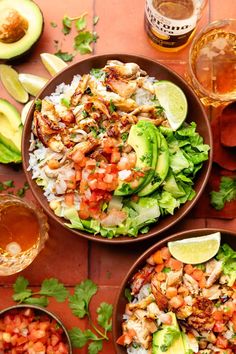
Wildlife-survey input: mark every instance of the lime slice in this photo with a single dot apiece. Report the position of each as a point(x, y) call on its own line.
point(32, 83)
point(10, 81)
point(52, 63)
point(174, 102)
point(25, 111)
point(195, 250)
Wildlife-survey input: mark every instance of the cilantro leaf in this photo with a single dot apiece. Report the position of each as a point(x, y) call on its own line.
point(81, 23)
point(40, 301)
point(67, 24)
point(83, 40)
point(95, 20)
point(98, 73)
point(65, 102)
point(64, 55)
point(112, 107)
point(8, 184)
point(53, 24)
point(104, 312)
point(79, 302)
point(38, 104)
point(170, 337)
point(20, 289)
point(79, 338)
point(95, 347)
point(52, 287)
point(226, 193)
point(128, 294)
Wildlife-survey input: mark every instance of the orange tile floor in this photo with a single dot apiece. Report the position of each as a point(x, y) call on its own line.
point(67, 257)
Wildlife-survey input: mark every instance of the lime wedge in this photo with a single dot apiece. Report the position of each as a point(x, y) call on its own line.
point(174, 102)
point(195, 250)
point(52, 63)
point(32, 83)
point(10, 81)
point(25, 111)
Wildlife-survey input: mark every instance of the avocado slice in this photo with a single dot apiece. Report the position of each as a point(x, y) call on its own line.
point(21, 27)
point(143, 140)
point(168, 340)
point(10, 133)
point(162, 166)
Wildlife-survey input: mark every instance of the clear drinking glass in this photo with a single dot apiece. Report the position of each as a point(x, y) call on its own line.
point(23, 233)
point(212, 63)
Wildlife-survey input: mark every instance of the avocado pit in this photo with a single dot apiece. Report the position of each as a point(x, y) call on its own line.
point(13, 26)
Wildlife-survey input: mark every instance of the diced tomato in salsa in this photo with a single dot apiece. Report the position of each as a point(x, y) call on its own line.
point(24, 331)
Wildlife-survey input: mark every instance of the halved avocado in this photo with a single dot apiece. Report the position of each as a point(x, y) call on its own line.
point(21, 27)
point(10, 133)
point(142, 138)
point(161, 168)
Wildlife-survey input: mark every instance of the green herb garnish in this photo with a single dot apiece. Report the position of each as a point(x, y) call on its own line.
point(83, 40)
point(65, 102)
point(64, 56)
point(79, 304)
point(67, 25)
point(38, 104)
point(226, 193)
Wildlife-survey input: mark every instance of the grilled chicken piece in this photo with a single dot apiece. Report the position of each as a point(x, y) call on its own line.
point(48, 109)
point(56, 144)
point(143, 304)
point(126, 105)
point(123, 88)
point(143, 334)
point(201, 318)
point(83, 84)
point(184, 312)
point(212, 293)
point(174, 278)
point(161, 299)
point(124, 70)
point(191, 284)
point(214, 272)
point(140, 278)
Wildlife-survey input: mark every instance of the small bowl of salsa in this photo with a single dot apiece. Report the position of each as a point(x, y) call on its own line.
point(23, 233)
point(32, 329)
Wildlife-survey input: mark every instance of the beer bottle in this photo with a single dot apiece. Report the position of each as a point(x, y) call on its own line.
point(170, 24)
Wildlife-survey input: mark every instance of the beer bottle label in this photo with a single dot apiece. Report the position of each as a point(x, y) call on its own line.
point(168, 32)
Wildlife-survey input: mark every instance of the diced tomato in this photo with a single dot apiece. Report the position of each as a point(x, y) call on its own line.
point(222, 342)
point(126, 338)
point(108, 178)
point(108, 145)
point(77, 156)
point(219, 327)
point(174, 264)
point(197, 274)
point(71, 183)
point(161, 276)
point(165, 253)
point(218, 315)
point(171, 292)
point(188, 268)
point(157, 257)
point(40, 333)
point(115, 156)
point(176, 302)
point(202, 282)
point(69, 199)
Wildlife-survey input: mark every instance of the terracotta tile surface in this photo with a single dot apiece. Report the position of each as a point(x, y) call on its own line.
point(67, 257)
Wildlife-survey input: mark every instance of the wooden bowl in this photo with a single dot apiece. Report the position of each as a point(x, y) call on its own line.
point(196, 113)
point(120, 302)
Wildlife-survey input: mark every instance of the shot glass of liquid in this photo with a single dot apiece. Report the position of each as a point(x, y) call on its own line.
point(23, 233)
point(212, 63)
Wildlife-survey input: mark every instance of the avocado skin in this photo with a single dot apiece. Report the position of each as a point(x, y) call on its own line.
point(19, 58)
point(143, 140)
point(161, 168)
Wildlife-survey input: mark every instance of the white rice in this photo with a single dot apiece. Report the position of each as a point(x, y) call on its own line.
point(139, 350)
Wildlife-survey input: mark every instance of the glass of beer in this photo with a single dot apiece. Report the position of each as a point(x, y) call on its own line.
point(23, 232)
point(212, 63)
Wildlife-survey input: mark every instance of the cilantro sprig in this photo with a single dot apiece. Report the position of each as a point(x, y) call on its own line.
point(79, 304)
point(226, 193)
point(49, 288)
